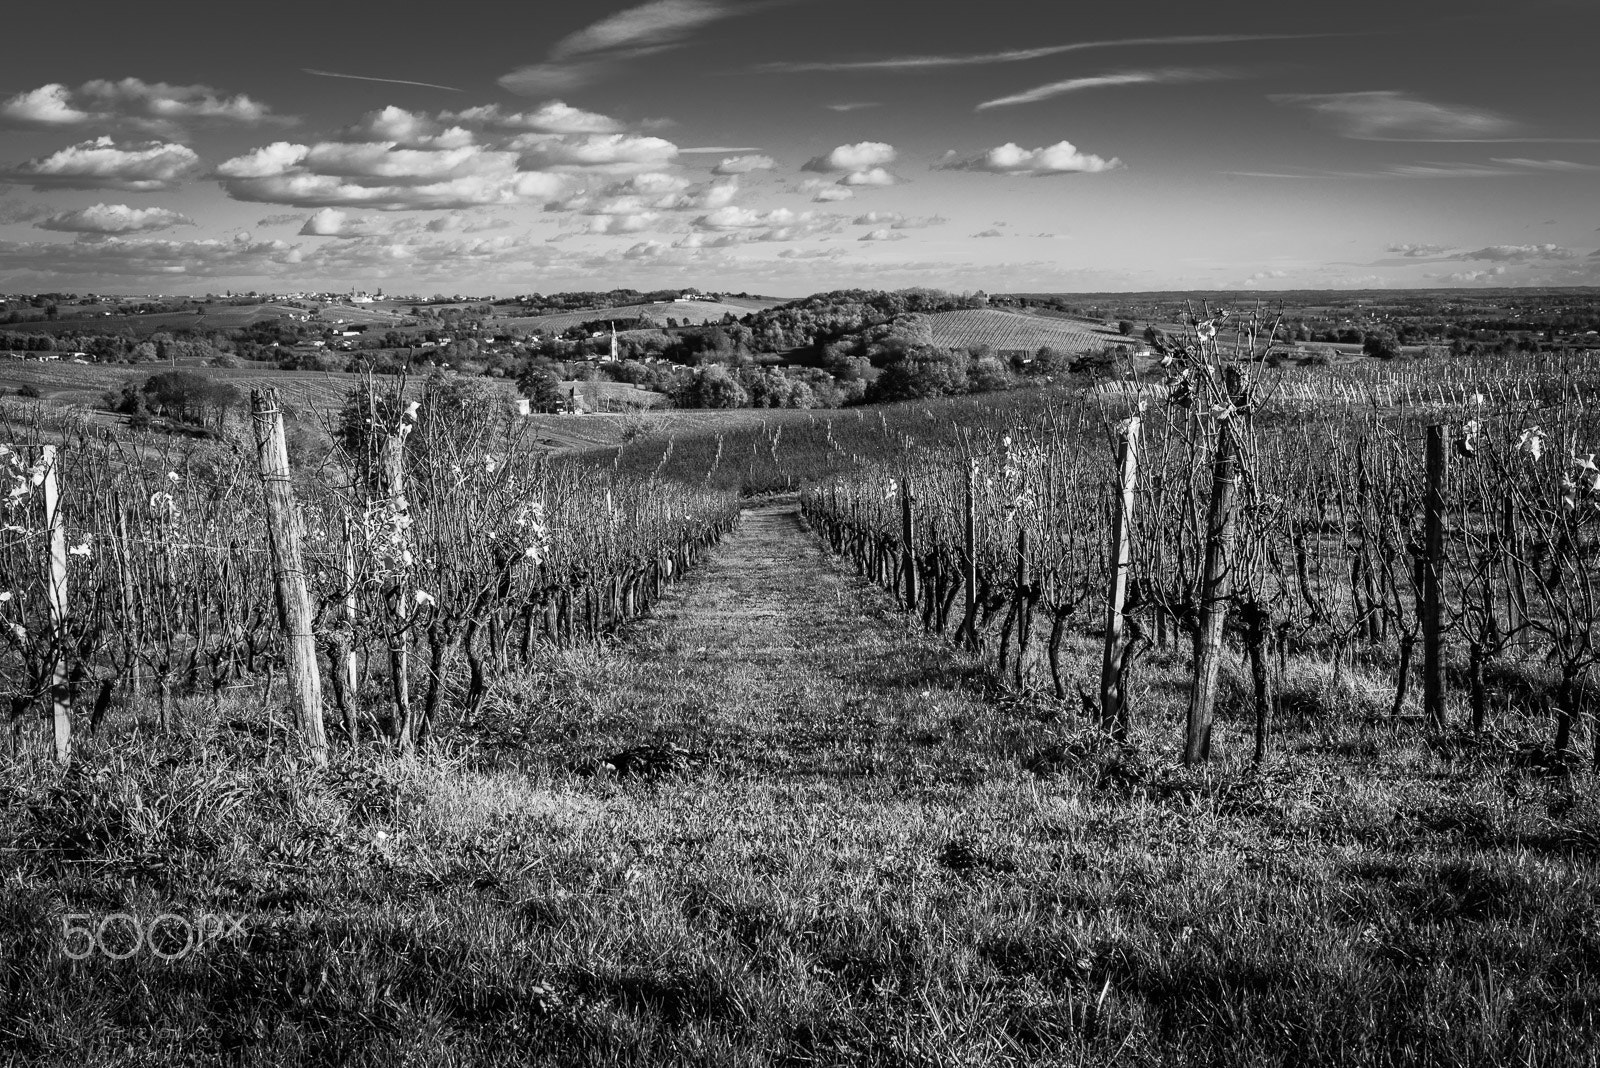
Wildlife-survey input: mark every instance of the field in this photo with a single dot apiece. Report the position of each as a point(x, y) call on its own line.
point(1010, 331)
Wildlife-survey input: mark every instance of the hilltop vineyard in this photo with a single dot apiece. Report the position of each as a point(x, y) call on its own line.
point(430, 552)
point(1439, 528)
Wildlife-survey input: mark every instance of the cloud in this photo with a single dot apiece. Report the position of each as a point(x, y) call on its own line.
point(149, 167)
point(390, 81)
point(147, 257)
point(831, 193)
point(551, 117)
point(1558, 165)
point(1518, 253)
point(896, 221)
point(154, 107)
point(605, 152)
point(1169, 76)
point(1020, 55)
point(48, 105)
point(989, 233)
point(861, 156)
point(288, 218)
point(460, 222)
point(873, 176)
point(882, 235)
point(736, 218)
point(1490, 274)
point(856, 106)
point(114, 219)
point(1060, 158)
point(1388, 115)
point(631, 34)
point(384, 174)
point(14, 211)
point(1417, 251)
point(744, 165)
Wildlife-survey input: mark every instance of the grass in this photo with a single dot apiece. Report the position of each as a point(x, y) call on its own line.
point(844, 850)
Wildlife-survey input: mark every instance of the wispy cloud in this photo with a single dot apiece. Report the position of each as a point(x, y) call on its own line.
point(1021, 55)
point(391, 81)
point(1170, 76)
point(853, 106)
point(1495, 168)
point(1389, 115)
point(581, 57)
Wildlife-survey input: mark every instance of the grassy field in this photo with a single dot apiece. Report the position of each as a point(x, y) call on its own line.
point(778, 827)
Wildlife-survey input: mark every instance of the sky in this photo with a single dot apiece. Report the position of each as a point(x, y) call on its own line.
point(785, 147)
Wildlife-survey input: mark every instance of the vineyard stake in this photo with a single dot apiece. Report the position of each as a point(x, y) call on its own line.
point(1113, 663)
point(288, 570)
point(54, 522)
point(1433, 684)
point(1214, 591)
point(969, 562)
point(908, 534)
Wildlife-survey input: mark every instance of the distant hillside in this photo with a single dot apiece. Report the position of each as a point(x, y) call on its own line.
point(1007, 331)
point(684, 312)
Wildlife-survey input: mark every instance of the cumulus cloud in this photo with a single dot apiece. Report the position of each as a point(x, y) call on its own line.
point(553, 117)
point(1518, 253)
point(1411, 251)
point(989, 233)
point(331, 222)
point(154, 107)
point(614, 152)
point(289, 218)
point(862, 156)
point(882, 235)
point(873, 176)
point(628, 35)
point(1062, 157)
point(1489, 274)
point(114, 219)
point(148, 167)
point(382, 174)
point(460, 222)
point(744, 165)
point(1388, 115)
point(830, 193)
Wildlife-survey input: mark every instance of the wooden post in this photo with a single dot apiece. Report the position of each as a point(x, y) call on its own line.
point(392, 479)
point(968, 632)
point(1214, 591)
point(908, 536)
point(1113, 702)
point(284, 533)
point(347, 655)
point(55, 524)
point(1430, 611)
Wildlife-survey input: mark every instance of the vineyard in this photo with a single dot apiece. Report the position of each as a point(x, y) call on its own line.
point(1006, 331)
point(1438, 527)
point(434, 551)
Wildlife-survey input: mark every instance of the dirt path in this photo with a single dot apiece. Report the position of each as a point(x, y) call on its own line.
point(771, 655)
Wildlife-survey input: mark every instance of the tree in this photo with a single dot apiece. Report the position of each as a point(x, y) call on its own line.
point(1381, 344)
point(542, 389)
point(713, 387)
point(1125, 328)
